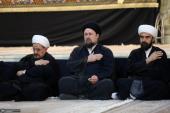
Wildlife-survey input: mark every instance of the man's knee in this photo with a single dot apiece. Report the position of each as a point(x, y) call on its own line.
point(35, 92)
point(68, 85)
point(103, 90)
point(106, 83)
point(8, 92)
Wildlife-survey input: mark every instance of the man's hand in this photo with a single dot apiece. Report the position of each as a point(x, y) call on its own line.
point(94, 57)
point(41, 62)
point(93, 79)
point(21, 72)
point(154, 56)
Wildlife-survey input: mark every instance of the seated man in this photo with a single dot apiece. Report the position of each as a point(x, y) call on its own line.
point(37, 77)
point(146, 70)
point(91, 66)
point(39, 72)
point(7, 74)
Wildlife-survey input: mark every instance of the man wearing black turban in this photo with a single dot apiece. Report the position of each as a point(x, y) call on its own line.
point(90, 66)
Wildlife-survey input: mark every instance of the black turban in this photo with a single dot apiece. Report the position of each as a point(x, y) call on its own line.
point(94, 26)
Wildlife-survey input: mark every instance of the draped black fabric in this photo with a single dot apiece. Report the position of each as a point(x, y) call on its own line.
point(64, 28)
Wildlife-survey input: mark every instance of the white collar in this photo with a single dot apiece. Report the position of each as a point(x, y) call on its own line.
point(90, 50)
point(147, 52)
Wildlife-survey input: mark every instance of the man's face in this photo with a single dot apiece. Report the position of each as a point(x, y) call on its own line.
point(90, 37)
point(39, 50)
point(146, 40)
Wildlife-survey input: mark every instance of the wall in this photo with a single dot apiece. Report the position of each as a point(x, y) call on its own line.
point(165, 15)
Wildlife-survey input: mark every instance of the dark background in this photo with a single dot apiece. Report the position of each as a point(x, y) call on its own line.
point(64, 28)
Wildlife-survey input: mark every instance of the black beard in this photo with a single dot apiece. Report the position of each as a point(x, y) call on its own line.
point(145, 46)
point(89, 45)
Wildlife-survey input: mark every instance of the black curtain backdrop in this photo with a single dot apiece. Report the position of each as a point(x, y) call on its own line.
point(64, 28)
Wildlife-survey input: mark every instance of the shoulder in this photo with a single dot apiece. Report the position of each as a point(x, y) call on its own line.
point(28, 56)
point(138, 50)
point(49, 56)
point(157, 48)
point(105, 50)
point(78, 49)
point(136, 53)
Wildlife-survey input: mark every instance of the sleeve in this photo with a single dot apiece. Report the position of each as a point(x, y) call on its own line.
point(76, 64)
point(162, 68)
point(55, 66)
point(52, 73)
point(135, 66)
point(106, 68)
point(26, 62)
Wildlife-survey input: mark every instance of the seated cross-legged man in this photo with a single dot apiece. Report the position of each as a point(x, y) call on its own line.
point(90, 66)
point(35, 76)
point(38, 73)
point(147, 77)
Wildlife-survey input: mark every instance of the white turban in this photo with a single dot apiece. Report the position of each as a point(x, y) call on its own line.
point(148, 29)
point(41, 40)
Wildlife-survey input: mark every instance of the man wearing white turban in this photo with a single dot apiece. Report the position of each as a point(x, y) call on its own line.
point(41, 40)
point(146, 70)
point(37, 75)
point(38, 72)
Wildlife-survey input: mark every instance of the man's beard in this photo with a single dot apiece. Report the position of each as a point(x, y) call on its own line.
point(36, 56)
point(89, 43)
point(145, 46)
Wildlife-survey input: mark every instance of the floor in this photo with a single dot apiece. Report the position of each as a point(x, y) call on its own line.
point(137, 106)
point(55, 105)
